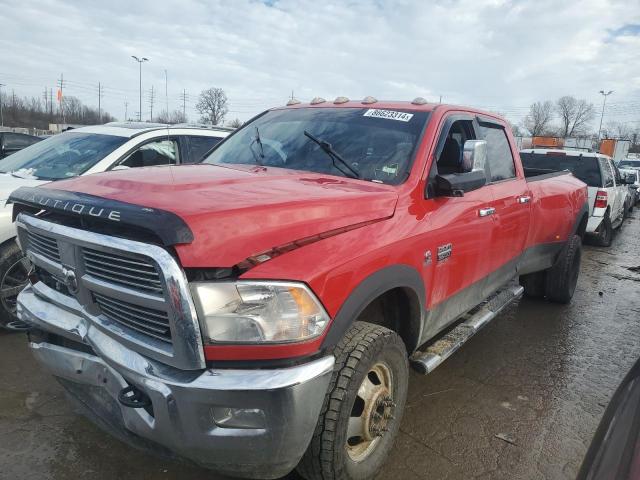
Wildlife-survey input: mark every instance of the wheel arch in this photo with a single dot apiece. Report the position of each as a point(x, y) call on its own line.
point(400, 291)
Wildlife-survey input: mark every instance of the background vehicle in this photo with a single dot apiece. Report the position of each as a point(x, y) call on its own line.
point(609, 196)
point(12, 142)
point(635, 187)
point(307, 257)
point(83, 151)
point(629, 163)
point(615, 449)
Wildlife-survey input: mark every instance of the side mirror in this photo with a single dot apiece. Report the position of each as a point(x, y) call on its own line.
point(630, 179)
point(474, 155)
point(472, 175)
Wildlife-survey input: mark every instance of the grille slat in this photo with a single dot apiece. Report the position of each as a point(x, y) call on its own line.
point(140, 319)
point(47, 247)
point(120, 270)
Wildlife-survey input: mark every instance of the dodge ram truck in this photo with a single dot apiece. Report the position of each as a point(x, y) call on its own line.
point(259, 312)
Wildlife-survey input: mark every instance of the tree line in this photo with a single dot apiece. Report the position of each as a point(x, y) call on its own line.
point(571, 117)
point(32, 112)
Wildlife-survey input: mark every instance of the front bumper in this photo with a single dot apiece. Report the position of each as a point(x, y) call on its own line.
point(182, 419)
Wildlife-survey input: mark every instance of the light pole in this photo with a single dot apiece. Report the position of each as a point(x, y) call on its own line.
point(605, 95)
point(1, 117)
point(140, 61)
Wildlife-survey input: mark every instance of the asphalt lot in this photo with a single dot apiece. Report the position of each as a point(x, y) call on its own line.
point(539, 376)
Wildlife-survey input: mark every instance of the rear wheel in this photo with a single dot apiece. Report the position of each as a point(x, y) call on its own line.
point(363, 407)
point(14, 275)
point(562, 277)
point(605, 232)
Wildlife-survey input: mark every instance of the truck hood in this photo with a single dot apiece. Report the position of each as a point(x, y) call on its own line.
point(241, 211)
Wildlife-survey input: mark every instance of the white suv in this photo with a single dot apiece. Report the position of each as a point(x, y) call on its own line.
point(609, 196)
point(83, 151)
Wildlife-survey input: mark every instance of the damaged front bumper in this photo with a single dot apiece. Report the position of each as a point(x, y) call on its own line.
point(244, 422)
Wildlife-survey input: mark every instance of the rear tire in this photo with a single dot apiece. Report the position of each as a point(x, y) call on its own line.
point(14, 275)
point(363, 407)
point(533, 284)
point(562, 277)
point(605, 235)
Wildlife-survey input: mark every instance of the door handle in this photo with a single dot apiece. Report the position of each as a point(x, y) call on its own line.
point(484, 212)
point(524, 199)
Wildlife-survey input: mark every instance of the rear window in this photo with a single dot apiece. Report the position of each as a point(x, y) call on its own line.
point(584, 168)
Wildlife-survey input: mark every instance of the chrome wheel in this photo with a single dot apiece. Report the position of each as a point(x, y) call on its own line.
point(13, 281)
point(372, 411)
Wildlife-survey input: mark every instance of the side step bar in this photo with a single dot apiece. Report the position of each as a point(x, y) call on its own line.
point(426, 361)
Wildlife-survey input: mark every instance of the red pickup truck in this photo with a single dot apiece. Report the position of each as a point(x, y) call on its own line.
point(259, 312)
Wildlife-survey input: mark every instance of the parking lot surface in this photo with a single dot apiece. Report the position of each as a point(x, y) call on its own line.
point(520, 401)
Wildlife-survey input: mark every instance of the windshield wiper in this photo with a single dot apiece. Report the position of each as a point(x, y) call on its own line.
point(328, 149)
point(259, 142)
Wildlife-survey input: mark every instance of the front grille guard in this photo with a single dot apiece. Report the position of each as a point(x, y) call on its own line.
point(185, 350)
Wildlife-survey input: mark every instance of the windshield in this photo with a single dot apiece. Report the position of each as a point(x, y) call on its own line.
point(584, 168)
point(377, 144)
point(62, 156)
point(629, 163)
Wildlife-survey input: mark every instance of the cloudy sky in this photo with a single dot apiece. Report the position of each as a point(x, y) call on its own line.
point(497, 54)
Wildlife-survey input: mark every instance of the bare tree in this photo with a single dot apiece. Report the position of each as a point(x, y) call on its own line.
point(538, 120)
point(574, 115)
point(212, 105)
point(235, 123)
point(174, 117)
point(618, 130)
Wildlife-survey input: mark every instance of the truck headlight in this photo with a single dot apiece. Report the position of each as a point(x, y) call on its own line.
point(258, 312)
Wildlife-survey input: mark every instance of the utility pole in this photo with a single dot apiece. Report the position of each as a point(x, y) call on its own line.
point(184, 104)
point(126, 110)
point(166, 94)
point(60, 96)
point(151, 99)
point(605, 95)
point(140, 62)
point(100, 94)
point(440, 99)
point(45, 96)
point(1, 116)
point(51, 103)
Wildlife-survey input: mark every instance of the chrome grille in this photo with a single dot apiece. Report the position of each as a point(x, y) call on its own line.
point(127, 272)
point(151, 322)
point(45, 246)
point(136, 292)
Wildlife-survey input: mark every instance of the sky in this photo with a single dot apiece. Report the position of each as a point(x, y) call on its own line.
point(496, 54)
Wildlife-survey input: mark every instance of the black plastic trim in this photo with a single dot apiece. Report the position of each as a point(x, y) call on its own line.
point(167, 226)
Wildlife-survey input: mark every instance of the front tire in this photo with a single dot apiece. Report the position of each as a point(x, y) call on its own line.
point(14, 275)
point(363, 407)
point(562, 277)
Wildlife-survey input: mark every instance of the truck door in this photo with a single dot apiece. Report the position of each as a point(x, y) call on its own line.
point(456, 235)
point(511, 201)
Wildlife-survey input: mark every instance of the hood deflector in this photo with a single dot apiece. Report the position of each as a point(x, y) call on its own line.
point(167, 226)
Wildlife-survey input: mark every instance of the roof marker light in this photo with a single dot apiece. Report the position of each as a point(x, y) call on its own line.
point(293, 101)
point(317, 100)
point(341, 100)
point(369, 99)
point(419, 101)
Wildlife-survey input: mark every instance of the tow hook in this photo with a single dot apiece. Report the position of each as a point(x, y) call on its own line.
point(133, 397)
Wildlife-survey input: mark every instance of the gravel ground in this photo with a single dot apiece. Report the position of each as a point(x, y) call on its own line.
point(519, 401)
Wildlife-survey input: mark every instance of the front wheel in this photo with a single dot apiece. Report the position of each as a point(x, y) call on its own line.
point(362, 410)
point(14, 275)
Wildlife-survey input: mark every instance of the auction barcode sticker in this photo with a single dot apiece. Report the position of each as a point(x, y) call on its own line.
point(388, 114)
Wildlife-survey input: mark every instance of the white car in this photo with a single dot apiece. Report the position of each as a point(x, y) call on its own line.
point(609, 196)
point(84, 151)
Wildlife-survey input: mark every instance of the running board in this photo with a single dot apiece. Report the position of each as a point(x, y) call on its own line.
point(426, 361)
